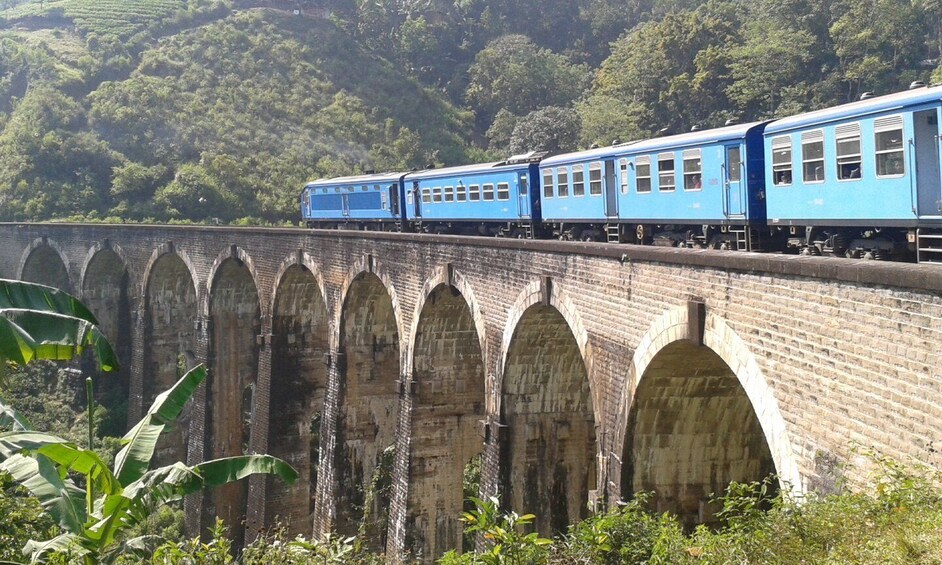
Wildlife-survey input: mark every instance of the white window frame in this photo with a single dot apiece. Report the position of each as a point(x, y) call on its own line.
point(644, 161)
point(781, 143)
point(436, 195)
point(580, 169)
point(449, 194)
point(426, 195)
point(562, 173)
point(811, 138)
point(503, 188)
point(623, 175)
point(474, 193)
point(667, 158)
point(692, 155)
point(548, 187)
point(883, 125)
point(848, 132)
point(461, 193)
point(487, 189)
point(595, 167)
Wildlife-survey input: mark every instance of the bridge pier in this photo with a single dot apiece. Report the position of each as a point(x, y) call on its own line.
point(574, 369)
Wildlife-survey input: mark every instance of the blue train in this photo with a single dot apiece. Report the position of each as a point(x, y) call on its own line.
point(859, 180)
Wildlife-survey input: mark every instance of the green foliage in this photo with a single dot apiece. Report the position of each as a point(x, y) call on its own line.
point(508, 544)
point(23, 519)
point(548, 129)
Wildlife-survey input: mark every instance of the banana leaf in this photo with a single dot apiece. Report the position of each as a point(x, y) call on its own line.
point(26, 335)
point(10, 418)
point(58, 495)
point(41, 298)
point(66, 544)
point(133, 460)
point(71, 458)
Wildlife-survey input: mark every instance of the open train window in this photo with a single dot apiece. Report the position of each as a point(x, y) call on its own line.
point(488, 192)
point(812, 156)
point(449, 194)
point(888, 142)
point(665, 172)
point(595, 179)
point(643, 175)
point(693, 170)
point(427, 195)
point(460, 193)
point(503, 191)
point(547, 183)
point(474, 193)
point(562, 177)
point(847, 140)
point(436, 194)
point(623, 175)
point(578, 180)
point(782, 161)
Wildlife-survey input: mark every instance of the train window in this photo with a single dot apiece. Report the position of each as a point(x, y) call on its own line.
point(888, 141)
point(693, 170)
point(427, 195)
point(562, 177)
point(782, 161)
point(503, 191)
point(547, 183)
point(364, 188)
point(847, 137)
point(449, 194)
point(623, 171)
point(436, 194)
point(733, 164)
point(595, 179)
point(578, 180)
point(382, 196)
point(643, 174)
point(812, 156)
point(665, 172)
point(488, 192)
point(524, 185)
point(474, 193)
point(460, 193)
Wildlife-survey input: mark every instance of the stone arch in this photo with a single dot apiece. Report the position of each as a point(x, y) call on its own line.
point(45, 262)
point(548, 451)
point(299, 345)
point(169, 308)
point(235, 321)
point(447, 363)
point(368, 365)
point(700, 417)
point(364, 266)
point(106, 288)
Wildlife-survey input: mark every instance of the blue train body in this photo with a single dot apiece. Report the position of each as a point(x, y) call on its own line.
point(862, 179)
point(485, 199)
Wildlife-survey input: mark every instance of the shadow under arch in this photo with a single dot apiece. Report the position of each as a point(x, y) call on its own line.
point(448, 406)
point(548, 451)
point(235, 320)
point(45, 262)
point(300, 329)
point(701, 416)
point(368, 366)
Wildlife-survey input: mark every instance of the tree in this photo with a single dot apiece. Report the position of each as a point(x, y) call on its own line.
point(512, 73)
point(547, 129)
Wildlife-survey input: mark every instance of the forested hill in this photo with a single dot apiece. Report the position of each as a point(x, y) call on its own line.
point(220, 109)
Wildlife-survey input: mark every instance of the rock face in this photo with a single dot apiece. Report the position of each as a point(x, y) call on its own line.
point(380, 365)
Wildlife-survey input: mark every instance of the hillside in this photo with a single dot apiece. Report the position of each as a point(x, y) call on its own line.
point(214, 113)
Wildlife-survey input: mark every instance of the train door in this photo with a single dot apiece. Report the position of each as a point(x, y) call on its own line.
point(417, 199)
point(394, 200)
point(523, 194)
point(611, 190)
point(928, 181)
point(732, 173)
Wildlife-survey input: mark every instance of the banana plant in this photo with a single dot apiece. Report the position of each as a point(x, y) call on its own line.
point(41, 322)
point(94, 520)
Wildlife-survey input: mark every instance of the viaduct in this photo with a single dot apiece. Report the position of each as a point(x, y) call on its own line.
point(381, 365)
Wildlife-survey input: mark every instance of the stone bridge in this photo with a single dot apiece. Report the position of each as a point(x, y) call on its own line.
point(383, 366)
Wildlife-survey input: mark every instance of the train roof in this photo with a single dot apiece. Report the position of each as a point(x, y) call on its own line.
point(357, 179)
point(699, 137)
point(889, 102)
point(467, 169)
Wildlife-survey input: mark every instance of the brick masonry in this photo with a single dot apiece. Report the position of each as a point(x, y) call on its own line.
point(581, 372)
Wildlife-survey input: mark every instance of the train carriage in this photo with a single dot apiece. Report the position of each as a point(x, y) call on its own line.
point(702, 188)
point(482, 199)
point(861, 179)
point(370, 201)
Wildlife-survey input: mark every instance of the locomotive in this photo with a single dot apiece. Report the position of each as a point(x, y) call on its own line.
point(859, 180)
